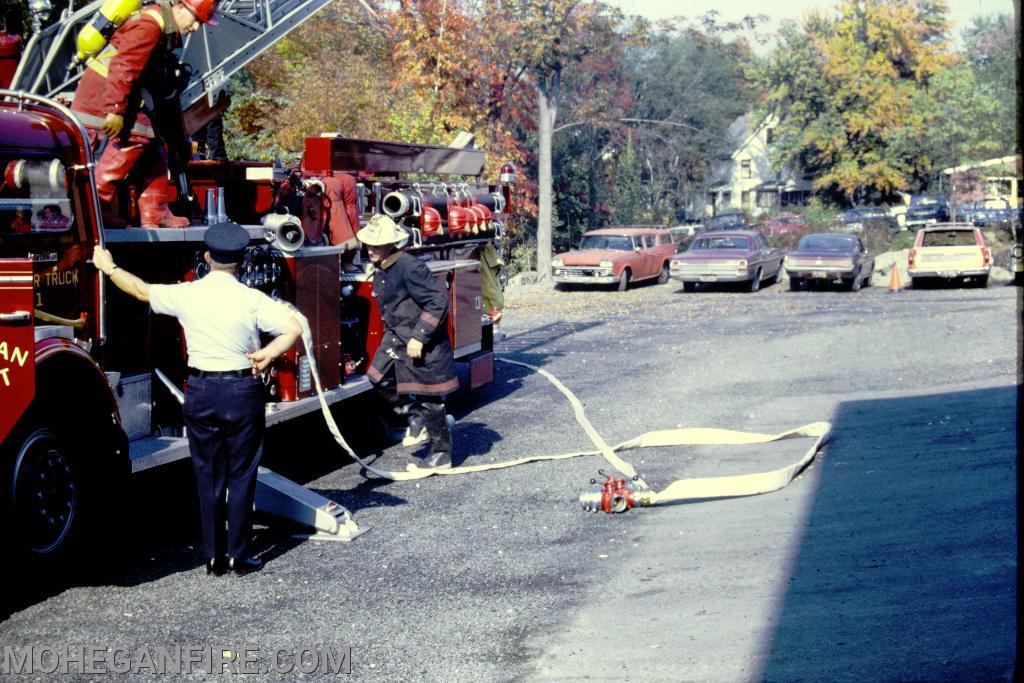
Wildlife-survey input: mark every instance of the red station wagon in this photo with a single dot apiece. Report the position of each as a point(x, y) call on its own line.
point(616, 256)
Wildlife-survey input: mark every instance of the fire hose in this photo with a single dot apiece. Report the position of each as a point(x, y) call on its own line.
point(618, 494)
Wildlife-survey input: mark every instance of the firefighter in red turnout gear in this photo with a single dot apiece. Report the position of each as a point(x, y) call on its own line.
point(109, 101)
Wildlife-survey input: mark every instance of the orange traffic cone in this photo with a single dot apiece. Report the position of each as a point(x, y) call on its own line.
point(894, 279)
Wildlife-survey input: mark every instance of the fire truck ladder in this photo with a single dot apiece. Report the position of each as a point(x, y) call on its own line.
point(246, 29)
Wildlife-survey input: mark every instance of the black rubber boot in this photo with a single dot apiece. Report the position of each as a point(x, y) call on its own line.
point(440, 456)
point(403, 409)
point(416, 432)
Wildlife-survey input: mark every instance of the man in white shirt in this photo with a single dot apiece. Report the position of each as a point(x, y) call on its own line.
point(224, 401)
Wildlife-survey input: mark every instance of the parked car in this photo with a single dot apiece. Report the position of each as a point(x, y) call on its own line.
point(728, 256)
point(963, 212)
point(822, 258)
point(993, 213)
point(616, 256)
point(858, 218)
point(784, 224)
point(949, 252)
point(730, 220)
point(927, 209)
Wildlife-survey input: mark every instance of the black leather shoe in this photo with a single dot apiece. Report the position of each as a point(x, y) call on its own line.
point(216, 566)
point(244, 565)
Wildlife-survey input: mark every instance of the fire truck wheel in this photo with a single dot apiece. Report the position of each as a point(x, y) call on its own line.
point(44, 496)
point(53, 500)
point(624, 280)
point(663, 275)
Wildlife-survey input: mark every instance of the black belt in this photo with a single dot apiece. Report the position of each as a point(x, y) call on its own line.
point(220, 374)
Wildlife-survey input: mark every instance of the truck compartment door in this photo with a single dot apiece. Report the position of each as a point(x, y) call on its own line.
point(17, 341)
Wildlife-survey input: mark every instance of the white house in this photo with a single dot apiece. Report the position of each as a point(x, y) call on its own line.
point(746, 180)
point(992, 179)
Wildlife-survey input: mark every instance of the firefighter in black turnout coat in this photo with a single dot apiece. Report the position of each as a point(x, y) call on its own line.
point(414, 368)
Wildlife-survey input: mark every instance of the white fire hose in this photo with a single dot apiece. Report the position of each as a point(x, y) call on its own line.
point(618, 495)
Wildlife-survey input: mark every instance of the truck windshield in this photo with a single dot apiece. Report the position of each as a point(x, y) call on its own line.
point(614, 242)
point(33, 198)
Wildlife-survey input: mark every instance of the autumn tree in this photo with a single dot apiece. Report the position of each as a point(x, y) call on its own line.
point(845, 90)
point(333, 74)
point(549, 37)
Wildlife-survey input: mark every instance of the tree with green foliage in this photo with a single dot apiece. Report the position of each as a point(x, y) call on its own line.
point(689, 84)
point(581, 182)
point(990, 48)
point(848, 90)
point(628, 198)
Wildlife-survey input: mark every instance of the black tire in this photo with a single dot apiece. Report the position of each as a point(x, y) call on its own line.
point(755, 283)
point(624, 278)
point(689, 286)
point(854, 284)
point(42, 491)
point(60, 484)
point(780, 275)
point(663, 275)
point(982, 282)
point(794, 284)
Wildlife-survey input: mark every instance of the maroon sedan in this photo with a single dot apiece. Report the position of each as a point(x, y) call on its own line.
point(728, 256)
point(823, 258)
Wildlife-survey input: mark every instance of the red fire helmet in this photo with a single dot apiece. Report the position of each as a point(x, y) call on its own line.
point(203, 9)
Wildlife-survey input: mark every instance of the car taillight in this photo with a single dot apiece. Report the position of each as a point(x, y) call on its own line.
point(911, 257)
point(986, 256)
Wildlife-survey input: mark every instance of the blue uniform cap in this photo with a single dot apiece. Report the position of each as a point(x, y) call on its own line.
point(226, 241)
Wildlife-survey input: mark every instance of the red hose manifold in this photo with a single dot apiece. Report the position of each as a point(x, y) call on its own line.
point(613, 496)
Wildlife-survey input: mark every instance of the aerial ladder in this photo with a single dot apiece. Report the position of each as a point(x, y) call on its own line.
point(211, 56)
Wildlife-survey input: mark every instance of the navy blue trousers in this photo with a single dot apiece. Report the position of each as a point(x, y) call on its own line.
point(225, 421)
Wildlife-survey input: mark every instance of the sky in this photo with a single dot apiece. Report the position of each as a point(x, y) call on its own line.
point(961, 11)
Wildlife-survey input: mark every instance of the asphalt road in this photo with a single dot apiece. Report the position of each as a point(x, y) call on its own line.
point(892, 557)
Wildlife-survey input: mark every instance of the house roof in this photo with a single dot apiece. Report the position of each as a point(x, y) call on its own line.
point(1012, 163)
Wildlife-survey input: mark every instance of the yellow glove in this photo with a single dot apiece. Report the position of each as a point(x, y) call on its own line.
point(113, 124)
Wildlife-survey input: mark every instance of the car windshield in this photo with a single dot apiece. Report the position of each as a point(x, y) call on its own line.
point(826, 243)
point(862, 214)
point(924, 201)
point(727, 220)
point(996, 204)
point(721, 242)
point(614, 242)
point(949, 238)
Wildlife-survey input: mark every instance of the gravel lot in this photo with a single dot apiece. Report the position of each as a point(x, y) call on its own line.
point(892, 557)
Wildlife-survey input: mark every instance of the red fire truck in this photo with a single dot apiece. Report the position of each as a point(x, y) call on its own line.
point(90, 381)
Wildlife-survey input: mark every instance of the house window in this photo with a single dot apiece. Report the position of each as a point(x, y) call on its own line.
point(769, 136)
point(997, 187)
point(745, 199)
point(767, 199)
point(745, 168)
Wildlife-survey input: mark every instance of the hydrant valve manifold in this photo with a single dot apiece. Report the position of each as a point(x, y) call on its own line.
point(613, 495)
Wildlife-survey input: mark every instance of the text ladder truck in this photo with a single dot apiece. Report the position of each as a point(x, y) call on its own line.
point(91, 381)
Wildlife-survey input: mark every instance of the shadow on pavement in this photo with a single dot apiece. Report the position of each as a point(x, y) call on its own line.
point(907, 566)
